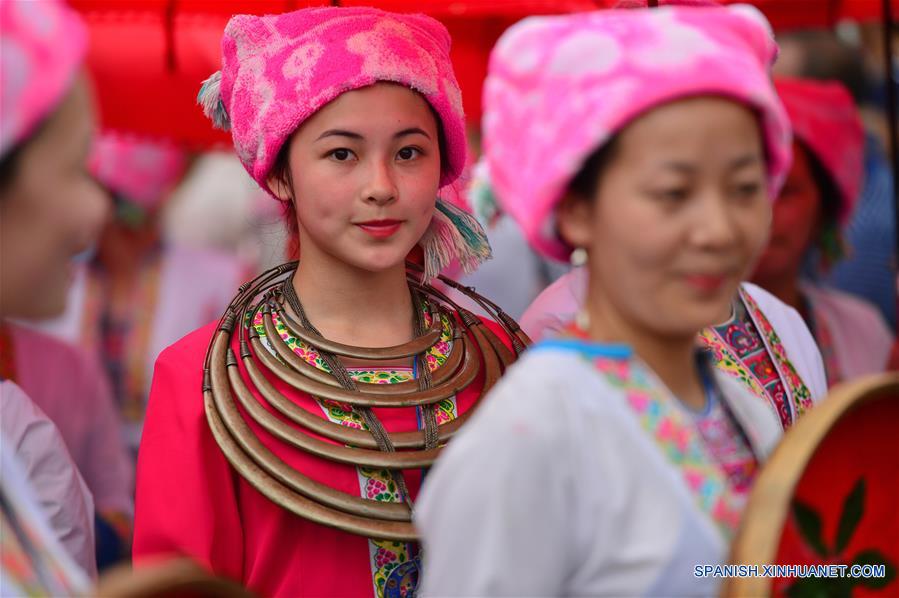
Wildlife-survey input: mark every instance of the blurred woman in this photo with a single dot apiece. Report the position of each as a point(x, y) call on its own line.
point(610, 461)
point(138, 292)
point(816, 201)
point(764, 344)
point(50, 210)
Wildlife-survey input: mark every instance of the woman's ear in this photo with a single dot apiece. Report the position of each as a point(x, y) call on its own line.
point(574, 220)
point(280, 188)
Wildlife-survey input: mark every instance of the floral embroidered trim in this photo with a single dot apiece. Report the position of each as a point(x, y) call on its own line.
point(728, 447)
point(676, 436)
point(436, 355)
point(787, 394)
point(739, 350)
point(798, 391)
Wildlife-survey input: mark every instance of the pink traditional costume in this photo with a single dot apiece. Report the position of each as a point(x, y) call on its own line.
point(853, 336)
point(268, 460)
point(46, 512)
point(599, 481)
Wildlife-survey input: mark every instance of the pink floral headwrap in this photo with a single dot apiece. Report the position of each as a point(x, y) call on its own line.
point(279, 70)
point(558, 88)
point(42, 45)
point(826, 121)
point(141, 170)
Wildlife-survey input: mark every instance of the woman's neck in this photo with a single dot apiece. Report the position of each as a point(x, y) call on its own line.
point(672, 358)
point(355, 306)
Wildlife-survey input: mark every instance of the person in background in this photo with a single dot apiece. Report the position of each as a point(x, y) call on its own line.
point(139, 293)
point(869, 268)
point(217, 207)
point(610, 461)
point(816, 202)
point(50, 210)
point(516, 274)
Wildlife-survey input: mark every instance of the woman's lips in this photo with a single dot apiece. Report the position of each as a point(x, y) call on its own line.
point(380, 229)
point(706, 283)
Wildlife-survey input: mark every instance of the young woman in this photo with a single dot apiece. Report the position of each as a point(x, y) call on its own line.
point(816, 202)
point(284, 446)
point(619, 458)
point(50, 210)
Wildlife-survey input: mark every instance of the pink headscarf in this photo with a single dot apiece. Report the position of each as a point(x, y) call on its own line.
point(825, 119)
point(42, 45)
point(279, 70)
point(559, 87)
point(140, 170)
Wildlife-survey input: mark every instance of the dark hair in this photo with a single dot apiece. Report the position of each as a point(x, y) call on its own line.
point(9, 165)
point(831, 202)
point(829, 241)
point(281, 172)
point(586, 182)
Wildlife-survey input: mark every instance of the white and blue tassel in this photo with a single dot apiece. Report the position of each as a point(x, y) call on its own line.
point(210, 98)
point(453, 233)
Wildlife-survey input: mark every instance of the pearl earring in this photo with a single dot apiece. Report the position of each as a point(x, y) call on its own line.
point(578, 257)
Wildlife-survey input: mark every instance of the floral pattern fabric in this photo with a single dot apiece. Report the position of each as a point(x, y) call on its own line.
point(739, 349)
point(727, 445)
point(750, 350)
point(678, 437)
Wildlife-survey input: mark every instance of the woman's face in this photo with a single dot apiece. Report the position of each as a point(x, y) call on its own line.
point(797, 213)
point(679, 215)
point(51, 210)
point(365, 171)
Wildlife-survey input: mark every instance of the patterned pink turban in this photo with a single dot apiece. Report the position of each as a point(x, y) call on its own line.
point(825, 119)
point(279, 70)
point(42, 45)
point(558, 88)
point(141, 170)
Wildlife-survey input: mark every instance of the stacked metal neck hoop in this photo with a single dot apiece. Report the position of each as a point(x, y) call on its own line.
point(475, 350)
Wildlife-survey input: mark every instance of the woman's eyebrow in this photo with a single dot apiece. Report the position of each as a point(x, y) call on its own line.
point(735, 164)
point(339, 133)
point(743, 161)
point(411, 131)
point(354, 135)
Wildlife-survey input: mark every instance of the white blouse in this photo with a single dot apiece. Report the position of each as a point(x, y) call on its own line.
point(555, 489)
